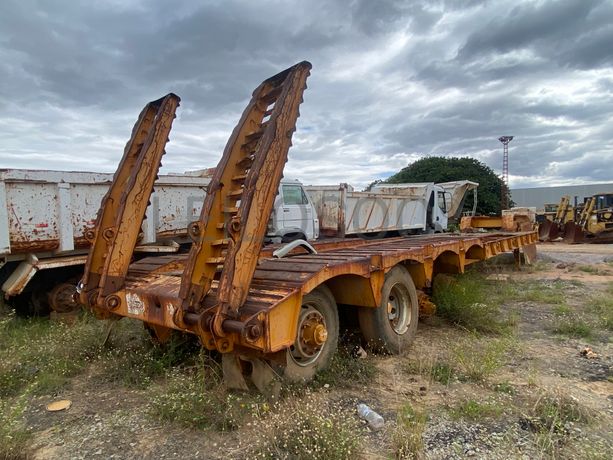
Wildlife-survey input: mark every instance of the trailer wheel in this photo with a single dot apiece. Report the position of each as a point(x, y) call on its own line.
point(316, 336)
point(392, 327)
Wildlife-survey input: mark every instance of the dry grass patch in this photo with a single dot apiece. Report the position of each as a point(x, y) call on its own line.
point(408, 435)
point(196, 397)
point(309, 427)
point(551, 414)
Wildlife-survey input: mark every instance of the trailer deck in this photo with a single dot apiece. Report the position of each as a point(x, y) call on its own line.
point(153, 283)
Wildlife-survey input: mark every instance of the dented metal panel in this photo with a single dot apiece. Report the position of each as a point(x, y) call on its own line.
point(342, 211)
point(49, 211)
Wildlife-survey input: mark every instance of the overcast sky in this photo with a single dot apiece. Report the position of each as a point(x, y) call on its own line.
point(392, 82)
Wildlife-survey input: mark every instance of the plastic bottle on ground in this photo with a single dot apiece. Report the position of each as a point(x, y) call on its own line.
point(375, 421)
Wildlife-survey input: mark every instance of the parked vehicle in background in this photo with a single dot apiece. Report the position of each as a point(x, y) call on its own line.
point(44, 219)
point(404, 208)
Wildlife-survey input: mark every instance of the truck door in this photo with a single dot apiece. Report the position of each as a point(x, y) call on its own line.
point(296, 214)
point(440, 212)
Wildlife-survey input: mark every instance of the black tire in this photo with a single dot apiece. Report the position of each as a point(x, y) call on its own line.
point(392, 327)
point(304, 360)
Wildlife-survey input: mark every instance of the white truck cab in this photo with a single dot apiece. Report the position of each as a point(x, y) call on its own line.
point(293, 215)
point(440, 218)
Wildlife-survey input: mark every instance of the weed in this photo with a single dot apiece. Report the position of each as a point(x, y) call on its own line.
point(562, 310)
point(474, 410)
point(549, 416)
point(505, 387)
point(573, 326)
point(435, 370)
point(532, 377)
point(307, 427)
point(346, 370)
point(602, 306)
point(467, 301)
point(540, 291)
point(593, 270)
point(442, 373)
point(407, 437)
point(196, 397)
point(44, 355)
point(13, 434)
point(47, 354)
point(134, 360)
point(477, 359)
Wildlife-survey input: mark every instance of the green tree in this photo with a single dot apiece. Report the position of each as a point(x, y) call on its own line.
point(445, 169)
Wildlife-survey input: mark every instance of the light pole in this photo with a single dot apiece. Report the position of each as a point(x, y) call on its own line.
point(504, 196)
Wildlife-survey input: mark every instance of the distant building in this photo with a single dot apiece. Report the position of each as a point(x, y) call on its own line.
point(539, 196)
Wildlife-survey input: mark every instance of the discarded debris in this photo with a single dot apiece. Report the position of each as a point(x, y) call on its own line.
point(588, 353)
point(497, 277)
point(361, 353)
point(375, 421)
point(59, 405)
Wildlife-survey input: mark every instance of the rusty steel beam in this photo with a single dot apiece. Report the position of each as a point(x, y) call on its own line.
point(123, 208)
point(234, 217)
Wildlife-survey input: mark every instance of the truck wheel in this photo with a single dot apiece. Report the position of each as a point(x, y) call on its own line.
point(392, 327)
point(316, 336)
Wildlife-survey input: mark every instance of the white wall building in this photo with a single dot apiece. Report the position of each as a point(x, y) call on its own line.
point(538, 196)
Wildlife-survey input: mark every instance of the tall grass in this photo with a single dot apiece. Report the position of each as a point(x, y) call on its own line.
point(472, 303)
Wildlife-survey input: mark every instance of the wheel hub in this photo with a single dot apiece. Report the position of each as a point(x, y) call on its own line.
point(399, 309)
point(311, 337)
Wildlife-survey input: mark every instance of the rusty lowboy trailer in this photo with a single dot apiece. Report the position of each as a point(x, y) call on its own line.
point(276, 310)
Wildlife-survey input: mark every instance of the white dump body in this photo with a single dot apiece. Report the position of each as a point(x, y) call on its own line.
point(47, 212)
point(343, 211)
point(455, 191)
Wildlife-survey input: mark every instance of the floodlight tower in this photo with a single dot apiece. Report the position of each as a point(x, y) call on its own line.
point(504, 196)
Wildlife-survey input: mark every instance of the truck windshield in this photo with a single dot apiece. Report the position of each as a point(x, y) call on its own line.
point(293, 194)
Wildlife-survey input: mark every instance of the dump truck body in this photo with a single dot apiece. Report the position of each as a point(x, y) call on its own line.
point(410, 208)
point(44, 216)
point(453, 193)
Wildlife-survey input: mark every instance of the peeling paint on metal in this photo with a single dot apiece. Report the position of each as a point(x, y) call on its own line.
point(135, 305)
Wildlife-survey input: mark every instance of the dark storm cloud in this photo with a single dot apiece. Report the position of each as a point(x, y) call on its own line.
point(392, 81)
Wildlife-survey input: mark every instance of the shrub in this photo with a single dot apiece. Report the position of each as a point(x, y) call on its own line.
point(466, 300)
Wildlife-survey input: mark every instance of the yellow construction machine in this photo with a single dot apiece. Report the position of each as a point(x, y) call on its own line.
point(593, 222)
point(549, 230)
point(590, 221)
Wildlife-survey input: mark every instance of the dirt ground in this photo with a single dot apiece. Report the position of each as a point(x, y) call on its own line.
point(491, 416)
